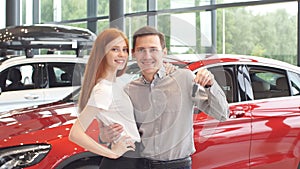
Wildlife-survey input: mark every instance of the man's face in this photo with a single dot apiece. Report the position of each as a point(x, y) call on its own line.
point(149, 53)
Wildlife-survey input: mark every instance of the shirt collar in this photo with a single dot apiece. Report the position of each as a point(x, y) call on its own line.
point(161, 73)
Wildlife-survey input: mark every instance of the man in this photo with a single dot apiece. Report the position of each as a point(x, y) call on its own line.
point(163, 104)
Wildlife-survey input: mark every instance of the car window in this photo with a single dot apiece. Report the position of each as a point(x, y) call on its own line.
point(268, 82)
point(244, 83)
point(40, 76)
point(13, 79)
point(295, 83)
point(224, 77)
point(23, 77)
point(64, 74)
point(17, 78)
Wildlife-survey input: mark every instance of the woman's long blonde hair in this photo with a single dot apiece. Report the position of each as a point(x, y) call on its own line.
point(95, 68)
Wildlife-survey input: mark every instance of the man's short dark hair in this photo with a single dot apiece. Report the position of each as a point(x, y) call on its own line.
point(148, 30)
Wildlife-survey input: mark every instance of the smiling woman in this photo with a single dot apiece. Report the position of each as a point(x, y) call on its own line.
point(107, 61)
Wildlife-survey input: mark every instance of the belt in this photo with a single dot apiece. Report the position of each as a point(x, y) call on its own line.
point(171, 164)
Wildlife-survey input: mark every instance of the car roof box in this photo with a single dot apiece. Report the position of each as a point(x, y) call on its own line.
point(45, 36)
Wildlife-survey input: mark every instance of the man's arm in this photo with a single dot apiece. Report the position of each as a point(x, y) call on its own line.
point(209, 96)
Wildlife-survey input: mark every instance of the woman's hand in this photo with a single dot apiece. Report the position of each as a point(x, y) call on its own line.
point(124, 144)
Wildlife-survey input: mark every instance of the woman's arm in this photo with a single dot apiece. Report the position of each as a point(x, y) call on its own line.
point(78, 136)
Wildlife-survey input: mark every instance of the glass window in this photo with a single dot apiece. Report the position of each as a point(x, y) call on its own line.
point(224, 77)
point(26, 72)
point(78, 24)
point(40, 76)
point(17, 78)
point(197, 36)
point(243, 83)
point(71, 9)
point(136, 6)
point(101, 25)
point(295, 83)
point(164, 4)
point(268, 83)
point(173, 4)
point(57, 10)
point(46, 11)
point(61, 74)
point(229, 1)
point(266, 38)
point(14, 79)
point(133, 24)
point(224, 30)
point(103, 8)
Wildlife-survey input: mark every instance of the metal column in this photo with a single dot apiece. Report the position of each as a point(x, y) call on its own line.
point(116, 14)
point(12, 12)
point(151, 16)
point(214, 29)
point(92, 6)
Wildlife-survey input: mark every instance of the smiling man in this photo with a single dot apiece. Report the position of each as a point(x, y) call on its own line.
point(163, 104)
point(149, 52)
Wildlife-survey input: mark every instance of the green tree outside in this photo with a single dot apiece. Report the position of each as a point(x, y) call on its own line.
point(271, 35)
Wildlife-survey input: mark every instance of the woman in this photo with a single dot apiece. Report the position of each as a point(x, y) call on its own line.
point(103, 99)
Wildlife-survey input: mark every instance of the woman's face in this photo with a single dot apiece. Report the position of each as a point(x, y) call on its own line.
point(117, 54)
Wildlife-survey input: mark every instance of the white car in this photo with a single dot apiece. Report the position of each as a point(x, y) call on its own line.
point(32, 81)
point(41, 63)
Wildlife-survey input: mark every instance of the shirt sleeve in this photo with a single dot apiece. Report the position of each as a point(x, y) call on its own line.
point(212, 101)
point(101, 96)
point(87, 115)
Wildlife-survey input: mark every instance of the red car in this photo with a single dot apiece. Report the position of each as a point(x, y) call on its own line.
point(263, 130)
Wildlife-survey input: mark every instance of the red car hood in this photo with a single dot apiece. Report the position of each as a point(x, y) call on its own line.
point(35, 125)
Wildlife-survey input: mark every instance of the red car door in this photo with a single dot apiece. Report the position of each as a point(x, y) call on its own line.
point(226, 144)
point(275, 125)
point(275, 133)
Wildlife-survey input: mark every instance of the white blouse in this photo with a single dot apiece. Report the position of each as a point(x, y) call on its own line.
point(114, 107)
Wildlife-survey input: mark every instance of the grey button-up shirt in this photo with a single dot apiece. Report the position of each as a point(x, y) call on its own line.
point(163, 110)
